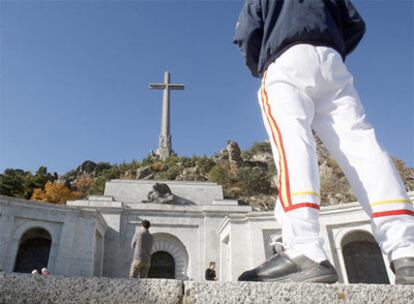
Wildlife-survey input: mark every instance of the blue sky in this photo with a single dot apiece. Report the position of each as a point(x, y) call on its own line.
point(74, 79)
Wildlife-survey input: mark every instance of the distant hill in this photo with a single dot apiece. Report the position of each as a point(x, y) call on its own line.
point(248, 176)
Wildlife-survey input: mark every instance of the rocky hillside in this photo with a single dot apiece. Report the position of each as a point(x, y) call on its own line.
point(248, 176)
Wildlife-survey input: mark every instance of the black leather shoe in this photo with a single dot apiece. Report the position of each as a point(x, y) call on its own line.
point(281, 267)
point(404, 271)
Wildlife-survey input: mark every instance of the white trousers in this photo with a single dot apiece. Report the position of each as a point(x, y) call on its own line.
point(307, 88)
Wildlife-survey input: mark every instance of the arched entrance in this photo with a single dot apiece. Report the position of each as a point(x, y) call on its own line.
point(171, 245)
point(33, 252)
point(162, 266)
point(363, 259)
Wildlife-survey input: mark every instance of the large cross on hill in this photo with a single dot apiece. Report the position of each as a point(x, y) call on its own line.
point(165, 143)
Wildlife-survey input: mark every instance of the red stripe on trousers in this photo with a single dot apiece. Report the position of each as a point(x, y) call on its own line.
point(282, 158)
point(303, 205)
point(393, 212)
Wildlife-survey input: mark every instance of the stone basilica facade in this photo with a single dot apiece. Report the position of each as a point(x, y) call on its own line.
point(92, 237)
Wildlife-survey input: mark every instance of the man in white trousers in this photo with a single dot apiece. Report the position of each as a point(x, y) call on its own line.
point(298, 48)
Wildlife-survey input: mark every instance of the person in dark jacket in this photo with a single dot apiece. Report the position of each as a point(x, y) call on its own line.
point(298, 48)
point(210, 274)
point(268, 28)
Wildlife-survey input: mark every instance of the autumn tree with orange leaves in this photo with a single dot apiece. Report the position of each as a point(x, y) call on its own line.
point(54, 193)
point(83, 186)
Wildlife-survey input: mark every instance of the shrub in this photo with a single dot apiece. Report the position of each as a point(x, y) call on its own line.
point(262, 147)
point(98, 187)
point(217, 174)
point(158, 167)
point(254, 180)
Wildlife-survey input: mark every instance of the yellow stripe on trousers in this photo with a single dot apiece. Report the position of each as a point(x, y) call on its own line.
point(284, 187)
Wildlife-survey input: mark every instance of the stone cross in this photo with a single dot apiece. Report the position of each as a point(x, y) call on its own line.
point(165, 144)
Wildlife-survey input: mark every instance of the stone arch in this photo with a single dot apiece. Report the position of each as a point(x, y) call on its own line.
point(363, 259)
point(33, 251)
point(52, 228)
point(162, 265)
point(22, 229)
point(357, 235)
point(173, 246)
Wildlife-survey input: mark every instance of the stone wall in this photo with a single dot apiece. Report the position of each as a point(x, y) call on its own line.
point(187, 233)
point(71, 232)
point(37, 289)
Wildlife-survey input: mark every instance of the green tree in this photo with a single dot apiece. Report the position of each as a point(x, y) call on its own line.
point(38, 180)
point(12, 182)
point(98, 187)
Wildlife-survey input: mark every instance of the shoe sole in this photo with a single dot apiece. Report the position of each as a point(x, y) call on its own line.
point(301, 277)
point(405, 281)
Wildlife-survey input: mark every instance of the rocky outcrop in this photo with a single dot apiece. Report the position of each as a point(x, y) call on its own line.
point(264, 157)
point(234, 154)
point(144, 173)
point(87, 167)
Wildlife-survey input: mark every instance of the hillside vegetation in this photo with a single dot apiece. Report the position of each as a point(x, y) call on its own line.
point(248, 176)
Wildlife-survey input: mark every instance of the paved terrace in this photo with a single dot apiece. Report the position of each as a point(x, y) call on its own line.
point(18, 288)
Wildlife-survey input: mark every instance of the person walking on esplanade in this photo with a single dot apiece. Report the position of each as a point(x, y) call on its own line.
point(298, 48)
point(142, 244)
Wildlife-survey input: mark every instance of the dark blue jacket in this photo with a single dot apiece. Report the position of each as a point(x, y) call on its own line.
point(267, 28)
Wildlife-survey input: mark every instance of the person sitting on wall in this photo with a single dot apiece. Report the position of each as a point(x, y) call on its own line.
point(34, 271)
point(210, 272)
point(142, 244)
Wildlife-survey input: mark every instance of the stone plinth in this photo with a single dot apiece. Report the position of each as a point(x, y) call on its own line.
point(136, 191)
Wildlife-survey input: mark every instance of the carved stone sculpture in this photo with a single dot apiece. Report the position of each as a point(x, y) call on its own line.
point(160, 194)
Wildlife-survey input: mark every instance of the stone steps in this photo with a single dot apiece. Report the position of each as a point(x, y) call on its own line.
point(18, 288)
